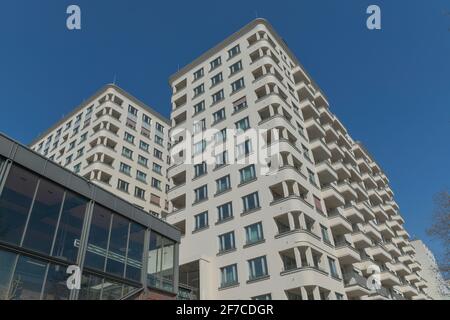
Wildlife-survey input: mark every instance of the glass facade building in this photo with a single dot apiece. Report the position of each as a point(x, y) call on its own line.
point(53, 222)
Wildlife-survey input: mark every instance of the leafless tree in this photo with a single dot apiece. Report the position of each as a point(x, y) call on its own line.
point(440, 229)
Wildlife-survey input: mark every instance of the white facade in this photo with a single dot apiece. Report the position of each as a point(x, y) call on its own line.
point(317, 225)
point(116, 141)
point(437, 288)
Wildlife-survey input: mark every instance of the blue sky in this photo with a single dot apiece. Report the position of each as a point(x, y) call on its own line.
point(391, 88)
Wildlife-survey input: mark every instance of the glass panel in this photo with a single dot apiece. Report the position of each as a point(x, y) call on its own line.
point(91, 287)
point(98, 238)
point(111, 290)
point(117, 246)
point(168, 264)
point(135, 252)
point(15, 203)
point(28, 279)
point(44, 216)
point(69, 231)
point(7, 260)
point(154, 260)
point(56, 283)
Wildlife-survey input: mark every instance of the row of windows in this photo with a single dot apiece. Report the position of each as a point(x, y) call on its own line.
point(257, 269)
point(217, 62)
point(142, 145)
point(218, 116)
point(220, 95)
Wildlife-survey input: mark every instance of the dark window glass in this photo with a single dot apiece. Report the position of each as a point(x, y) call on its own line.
point(70, 225)
point(56, 284)
point(111, 290)
point(15, 203)
point(28, 279)
point(91, 287)
point(44, 217)
point(161, 262)
point(7, 260)
point(154, 259)
point(135, 252)
point(98, 238)
point(117, 246)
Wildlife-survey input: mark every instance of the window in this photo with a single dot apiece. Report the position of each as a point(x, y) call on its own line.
point(223, 184)
point(239, 104)
point(254, 233)
point(135, 252)
point(199, 147)
point(257, 268)
point(157, 168)
point(318, 204)
point(68, 160)
point(30, 274)
point(145, 132)
point(146, 119)
point(221, 159)
point(72, 145)
point(201, 193)
point(236, 67)
point(128, 137)
point(244, 149)
point(141, 176)
point(199, 126)
point(250, 202)
point(306, 152)
point(124, 168)
point(243, 124)
point(80, 152)
point(142, 161)
point(198, 74)
point(154, 199)
point(218, 78)
point(159, 127)
point(219, 115)
point(143, 146)
point(200, 169)
point(237, 85)
point(83, 138)
point(156, 183)
point(333, 269)
point(225, 211)
point(98, 237)
point(199, 90)
point(247, 173)
point(127, 153)
point(325, 236)
point(201, 221)
point(76, 168)
point(220, 136)
point(131, 124)
point(234, 51)
point(311, 177)
point(218, 96)
point(215, 63)
point(199, 107)
point(226, 242)
point(158, 154)
point(266, 296)
point(139, 193)
point(161, 258)
point(132, 110)
point(122, 185)
point(118, 238)
point(228, 275)
point(159, 140)
point(339, 296)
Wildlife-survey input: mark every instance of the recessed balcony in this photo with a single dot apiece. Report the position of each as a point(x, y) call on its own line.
point(338, 223)
point(355, 285)
point(314, 129)
point(346, 253)
point(403, 233)
point(399, 267)
point(386, 231)
point(388, 278)
point(406, 258)
point(408, 249)
point(346, 190)
point(413, 278)
point(415, 266)
point(407, 290)
point(361, 240)
point(393, 249)
point(331, 196)
point(353, 214)
point(320, 150)
point(379, 253)
point(326, 172)
point(371, 230)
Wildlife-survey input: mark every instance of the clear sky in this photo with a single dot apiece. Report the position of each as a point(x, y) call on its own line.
point(390, 88)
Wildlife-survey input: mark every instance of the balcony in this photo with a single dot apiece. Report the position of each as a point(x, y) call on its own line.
point(355, 285)
point(379, 213)
point(389, 209)
point(341, 170)
point(421, 284)
point(394, 225)
point(408, 249)
point(378, 294)
point(392, 249)
point(325, 172)
point(366, 210)
point(338, 223)
point(331, 196)
point(415, 266)
point(399, 241)
point(388, 278)
point(379, 253)
point(346, 190)
point(361, 240)
point(420, 296)
point(374, 197)
point(403, 233)
point(353, 214)
point(406, 258)
point(308, 109)
point(368, 180)
point(399, 267)
point(314, 129)
point(413, 277)
point(365, 169)
point(320, 150)
point(407, 290)
point(386, 231)
point(371, 230)
point(346, 253)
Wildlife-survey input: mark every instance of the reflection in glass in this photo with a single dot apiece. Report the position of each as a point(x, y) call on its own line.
point(135, 252)
point(7, 260)
point(44, 216)
point(28, 279)
point(117, 246)
point(98, 238)
point(111, 290)
point(15, 202)
point(70, 225)
point(56, 283)
point(91, 287)
point(160, 262)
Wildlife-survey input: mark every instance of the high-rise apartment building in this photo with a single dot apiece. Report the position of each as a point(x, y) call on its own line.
point(437, 288)
point(311, 219)
point(116, 141)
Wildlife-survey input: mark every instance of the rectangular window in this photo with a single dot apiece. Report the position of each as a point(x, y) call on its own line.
point(267, 296)
point(243, 124)
point(218, 78)
point(318, 204)
point(124, 168)
point(236, 67)
point(146, 119)
point(237, 85)
point(122, 185)
point(158, 154)
point(201, 193)
point(219, 115)
point(200, 169)
point(225, 211)
point(228, 275)
point(199, 147)
point(226, 242)
point(257, 268)
point(157, 168)
point(333, 269)
point(218, 96)
point(254, 233)
point(239, 104)
point(128, 137)
point(156, 183)
point(159, 140)
point(127, 153)
point(154, 199)
point(199, 107)
point(76, 168)
point(132, 110)
point(159, 127)
point(250, 202)
point(198, 74)
point(221, 159)
point(144, 146)
point(215, 63)
point(234, 51)
point(139, 193)
point(68, 160)
point(141, 176)
point(145, 132)
point(244, 149)
point(201, 221)
point(142, 161)
point(223, 184)
point(130, 123)
point(312, 178)
point(247, 173)
point(325, 236)
point(83, 138)
point(199, 126)
point(199, 90)
point(220, 136)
